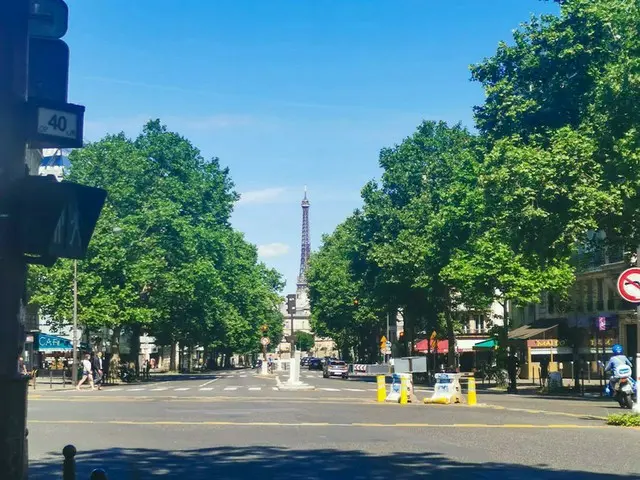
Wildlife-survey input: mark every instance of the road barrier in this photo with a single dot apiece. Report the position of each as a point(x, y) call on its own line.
point(471, 391)
point(69, 466)
point(447, 389)
point(382, 388)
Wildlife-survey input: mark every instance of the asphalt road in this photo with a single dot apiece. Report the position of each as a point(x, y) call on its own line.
point(241, 427)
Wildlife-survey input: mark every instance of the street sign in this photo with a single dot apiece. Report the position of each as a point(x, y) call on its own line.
point(265, 341)
point(55, 125)
point(629, 285)
point(48, 18)
point(48, 69)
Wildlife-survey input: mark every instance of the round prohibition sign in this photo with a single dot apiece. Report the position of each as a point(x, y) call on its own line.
point(629, 285)
point(265, 341)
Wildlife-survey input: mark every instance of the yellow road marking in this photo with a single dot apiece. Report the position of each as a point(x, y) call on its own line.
point(311, 424)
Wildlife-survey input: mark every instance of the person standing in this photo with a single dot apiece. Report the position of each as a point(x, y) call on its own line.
point(512, 368)
point(96, 366)
point(86, 372)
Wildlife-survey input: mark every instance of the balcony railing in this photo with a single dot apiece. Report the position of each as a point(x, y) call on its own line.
point(598, 258)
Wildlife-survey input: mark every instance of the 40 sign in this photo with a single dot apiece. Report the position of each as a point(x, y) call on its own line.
point(629, 285)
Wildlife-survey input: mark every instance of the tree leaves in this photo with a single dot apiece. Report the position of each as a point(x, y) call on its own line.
point(164, 255)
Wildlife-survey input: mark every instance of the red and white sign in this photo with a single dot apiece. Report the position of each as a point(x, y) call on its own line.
point(629, 285)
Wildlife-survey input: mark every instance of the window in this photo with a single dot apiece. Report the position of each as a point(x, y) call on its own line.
point(600, 292)
point(589, 295)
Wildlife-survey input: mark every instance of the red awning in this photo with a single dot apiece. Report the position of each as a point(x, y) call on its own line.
point(442, 346)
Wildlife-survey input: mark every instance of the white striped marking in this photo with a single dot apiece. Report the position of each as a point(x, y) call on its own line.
point(275, 388)
point(243, 376)
point(255, 388)
point(207, 383)
point(354, 390)
point(230, 388)
point(206, 389)
point(136, 389)
point(330, 389)
point(159, 389)
point(114, 389)
point(183, 389)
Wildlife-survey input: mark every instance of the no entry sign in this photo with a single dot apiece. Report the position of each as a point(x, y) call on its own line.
point(629, 285)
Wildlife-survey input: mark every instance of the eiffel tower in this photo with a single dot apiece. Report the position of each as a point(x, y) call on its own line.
point(305, 244)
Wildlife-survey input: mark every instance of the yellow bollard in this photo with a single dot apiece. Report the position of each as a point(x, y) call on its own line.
point(382, 390)
point(403, 390)
point(471, 392)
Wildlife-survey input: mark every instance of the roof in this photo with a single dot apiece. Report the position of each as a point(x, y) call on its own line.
point(488, 344)
point(536, 328)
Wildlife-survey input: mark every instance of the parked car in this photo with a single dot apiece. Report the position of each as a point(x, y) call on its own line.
point(315, 364)
point(335, 368)
point(305, 361)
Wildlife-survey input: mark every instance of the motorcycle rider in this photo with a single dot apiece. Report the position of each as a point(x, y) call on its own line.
point(615, 362)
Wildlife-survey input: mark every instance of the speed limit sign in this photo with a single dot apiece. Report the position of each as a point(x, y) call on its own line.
point(265, 341)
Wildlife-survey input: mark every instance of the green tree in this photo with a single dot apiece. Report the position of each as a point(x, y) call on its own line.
point(305, 341)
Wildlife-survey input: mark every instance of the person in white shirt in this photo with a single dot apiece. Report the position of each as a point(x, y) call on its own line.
point(86, 373)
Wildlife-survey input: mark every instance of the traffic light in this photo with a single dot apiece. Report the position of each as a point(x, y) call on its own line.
point(356, 302)
point(48, 219)
point(291, 304)
point(401, 336)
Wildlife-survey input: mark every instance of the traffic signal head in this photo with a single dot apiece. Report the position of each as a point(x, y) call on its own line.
point(51, 219)
point(401, 336)
point(291, 304)
point(356, 302)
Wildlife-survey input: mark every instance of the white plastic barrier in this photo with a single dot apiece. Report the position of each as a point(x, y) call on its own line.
point(447, 389)
point(394, 389)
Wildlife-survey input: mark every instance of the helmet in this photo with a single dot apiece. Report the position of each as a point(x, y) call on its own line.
point(617, 349)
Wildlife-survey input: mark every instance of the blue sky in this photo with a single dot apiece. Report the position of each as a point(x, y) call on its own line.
point(287, 93)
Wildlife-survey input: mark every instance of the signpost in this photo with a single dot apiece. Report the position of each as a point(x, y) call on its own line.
point(629, 285)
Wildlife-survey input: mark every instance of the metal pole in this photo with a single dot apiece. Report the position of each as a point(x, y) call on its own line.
point(74, 365)
point(293, 339)
point(13, 386)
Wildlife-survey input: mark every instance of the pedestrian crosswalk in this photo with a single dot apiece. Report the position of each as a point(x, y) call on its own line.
point(222, 388)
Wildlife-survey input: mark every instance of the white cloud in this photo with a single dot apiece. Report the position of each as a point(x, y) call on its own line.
point(270, 250)
point(265, 195)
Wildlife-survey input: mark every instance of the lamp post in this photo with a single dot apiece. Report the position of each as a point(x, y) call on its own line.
point(74, 365)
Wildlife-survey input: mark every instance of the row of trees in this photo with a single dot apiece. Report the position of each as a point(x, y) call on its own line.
point(164, 258)
point(470, 218)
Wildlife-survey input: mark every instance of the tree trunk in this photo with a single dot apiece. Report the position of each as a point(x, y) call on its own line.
point(136, 329)
point(172, 357)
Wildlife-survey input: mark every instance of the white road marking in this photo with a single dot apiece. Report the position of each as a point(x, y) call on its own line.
point(243, 376)
point(183, 389)
point(330, 389)
point(135, 389)
point(114, 389)
point(354, 389)
point(274, 388)
point(207, 383)
point(255, 388)
point(206, 389)
point(230, 388)
point(159, 389)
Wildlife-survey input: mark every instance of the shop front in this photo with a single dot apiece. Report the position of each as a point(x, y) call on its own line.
point(54, 352)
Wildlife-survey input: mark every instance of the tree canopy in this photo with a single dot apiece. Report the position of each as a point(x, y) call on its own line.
point(164, 258)
point(460, 219)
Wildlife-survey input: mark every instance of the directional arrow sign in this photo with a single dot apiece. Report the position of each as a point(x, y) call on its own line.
point(629, 285)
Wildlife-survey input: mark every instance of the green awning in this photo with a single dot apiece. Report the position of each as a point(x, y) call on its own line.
point(488, 344)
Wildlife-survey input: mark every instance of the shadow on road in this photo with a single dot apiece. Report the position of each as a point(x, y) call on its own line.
point(282, 463)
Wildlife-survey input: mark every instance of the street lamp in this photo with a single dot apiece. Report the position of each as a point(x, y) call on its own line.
point(74, 365)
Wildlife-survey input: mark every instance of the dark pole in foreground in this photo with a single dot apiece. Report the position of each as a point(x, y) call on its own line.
point(13, 386)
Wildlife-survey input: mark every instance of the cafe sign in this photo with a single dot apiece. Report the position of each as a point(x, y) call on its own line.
point(543, 343)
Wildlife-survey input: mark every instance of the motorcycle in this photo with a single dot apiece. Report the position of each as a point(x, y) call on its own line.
point(625, 389)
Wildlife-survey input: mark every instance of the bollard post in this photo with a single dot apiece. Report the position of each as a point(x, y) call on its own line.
point(382, 391)
point(403, 390)
point(98, 474)
point(69, 465)
point(471, 392)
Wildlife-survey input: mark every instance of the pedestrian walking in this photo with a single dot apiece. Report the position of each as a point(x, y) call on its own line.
point(22, 368)
point(544, 371)
point(86, 372)
point(97, 370)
